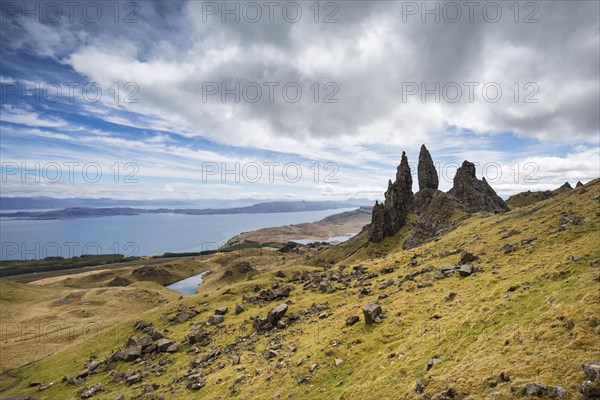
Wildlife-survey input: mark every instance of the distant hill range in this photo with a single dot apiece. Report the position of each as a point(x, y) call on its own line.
point(260, 208)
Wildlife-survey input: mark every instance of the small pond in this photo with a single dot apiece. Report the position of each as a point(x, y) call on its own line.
point(187, 285)
point(342, 238)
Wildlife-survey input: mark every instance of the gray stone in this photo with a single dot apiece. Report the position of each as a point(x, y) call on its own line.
point(372, 313)
point(277, 313)
point(216, 319)
point(221, 311)
point(163, 344)
point(465, 270)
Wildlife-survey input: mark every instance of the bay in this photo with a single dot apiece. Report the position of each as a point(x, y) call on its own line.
point(137, 235)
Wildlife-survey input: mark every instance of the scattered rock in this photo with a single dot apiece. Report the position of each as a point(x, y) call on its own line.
point(590, 388)
point(419, 386)
point(352, 320)
point(372, 313)
point(215, 319)
point(164, 344)
point(432, 361)
point(277, 313)
point(465, 270)
point(536, 389)
point(239, 309)
point(221, 311)
point(467, 258)
point(86, 393)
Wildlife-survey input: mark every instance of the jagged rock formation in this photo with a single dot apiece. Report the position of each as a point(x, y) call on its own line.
point(438, 212)
point(428, 181)
point(443, 214)
point(428, 177)
point(477, 195)
point(388, 218)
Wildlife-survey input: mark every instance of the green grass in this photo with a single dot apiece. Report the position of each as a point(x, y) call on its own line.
point(16, 267)
point(540, 332)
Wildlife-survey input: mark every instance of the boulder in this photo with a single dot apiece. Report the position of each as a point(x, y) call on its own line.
point(465, 270)
point(352, 320)
point(277, 313)
point(132, 353)
point(372, 313)
point(239, 309)
point(216, 319)
point(162, 345)
point(590, 388)
point(197, 335)
point(221, 311)
point(591, 369)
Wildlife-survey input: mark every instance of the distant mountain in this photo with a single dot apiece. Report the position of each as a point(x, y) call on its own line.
point(266, 208)
point(42, 202)
point(51, 203)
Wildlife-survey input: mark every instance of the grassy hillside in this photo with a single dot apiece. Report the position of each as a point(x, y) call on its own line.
point(529, 313)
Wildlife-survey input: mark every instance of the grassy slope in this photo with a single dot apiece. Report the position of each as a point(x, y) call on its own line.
point(542, 331)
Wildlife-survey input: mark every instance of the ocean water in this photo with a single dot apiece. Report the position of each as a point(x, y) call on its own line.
point(145, 234)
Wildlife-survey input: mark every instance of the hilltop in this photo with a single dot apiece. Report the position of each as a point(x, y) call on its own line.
point(499, 306)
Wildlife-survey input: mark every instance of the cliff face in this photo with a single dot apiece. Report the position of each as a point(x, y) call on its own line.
point(438, 212)
point(389, 217)
point(477, 195)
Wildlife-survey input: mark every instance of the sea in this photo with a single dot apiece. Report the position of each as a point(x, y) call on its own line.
point(137, 235)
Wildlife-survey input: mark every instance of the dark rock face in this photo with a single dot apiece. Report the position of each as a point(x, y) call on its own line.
point(388, 218)
point(377, 231)
point(423, 199)
point(428, 177)
point(579, 184)
point(477, 195)
point(441, 216)
point(566, 185)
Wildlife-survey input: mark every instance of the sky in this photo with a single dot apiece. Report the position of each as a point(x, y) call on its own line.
point(294, 100)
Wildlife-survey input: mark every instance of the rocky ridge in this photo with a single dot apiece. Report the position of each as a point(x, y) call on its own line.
point(438, 212)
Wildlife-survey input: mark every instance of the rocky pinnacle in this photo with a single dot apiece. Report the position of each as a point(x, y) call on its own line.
point(428, 177)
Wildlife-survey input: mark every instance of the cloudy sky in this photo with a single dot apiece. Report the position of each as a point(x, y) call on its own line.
point(308, 100)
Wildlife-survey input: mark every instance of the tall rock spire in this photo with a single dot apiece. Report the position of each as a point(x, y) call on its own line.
point(389, 217)
point(428, 177)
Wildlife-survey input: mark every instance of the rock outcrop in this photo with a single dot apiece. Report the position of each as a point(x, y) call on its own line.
point(443, 214)
point(477, 195)
point(388, 218)
point(438, 212)
point(428, 177)
point(428, 181)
